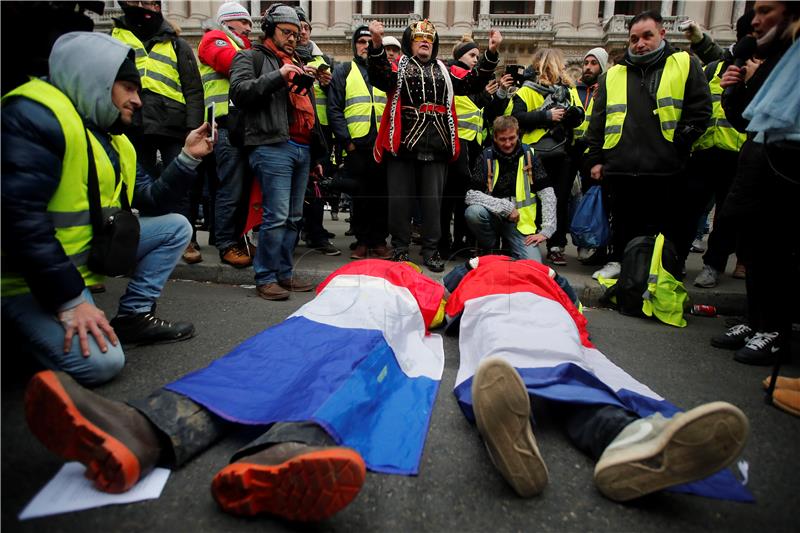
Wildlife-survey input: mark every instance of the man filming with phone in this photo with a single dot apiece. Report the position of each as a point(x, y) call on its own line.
point(282, 139)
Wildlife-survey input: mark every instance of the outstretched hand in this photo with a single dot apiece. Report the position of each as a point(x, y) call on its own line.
point(495, 38)
point(376, 31)
point(198, 144)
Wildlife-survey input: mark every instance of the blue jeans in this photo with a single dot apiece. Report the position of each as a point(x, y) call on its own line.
point(161, 243)
point(230, 205)
point(487, 227)
point(282, 169)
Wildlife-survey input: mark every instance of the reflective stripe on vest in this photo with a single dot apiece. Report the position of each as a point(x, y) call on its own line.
point(533, 100)
point(525, 198)
point(470, 119)
point(69, 205)
point(580, 131)
point(158, 69)
point(665, 296)
point(320, 98)
point(669, 98)
point(359, 105)
point(720, 133)
point(216, 86)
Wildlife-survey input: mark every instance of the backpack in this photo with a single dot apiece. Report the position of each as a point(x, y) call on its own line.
point(632, 283)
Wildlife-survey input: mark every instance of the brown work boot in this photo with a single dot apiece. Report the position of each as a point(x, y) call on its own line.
point(192, 254)
point(381, 252)
point(272, 291)
point(360, 252)
point(296, 284)
point(115, 442)
point(237, 256)
point(291, 480)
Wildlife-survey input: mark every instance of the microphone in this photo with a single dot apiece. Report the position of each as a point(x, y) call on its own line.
point(742, 51)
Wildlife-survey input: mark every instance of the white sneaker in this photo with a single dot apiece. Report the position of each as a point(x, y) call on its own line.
point(503, 414)
point(610, 271)
point(707, 278)
point(654, 453)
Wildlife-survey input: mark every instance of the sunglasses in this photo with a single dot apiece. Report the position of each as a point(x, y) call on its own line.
point(289, 34)
point(423, 37)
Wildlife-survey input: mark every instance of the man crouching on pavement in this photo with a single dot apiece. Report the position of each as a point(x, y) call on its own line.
point(55, 135)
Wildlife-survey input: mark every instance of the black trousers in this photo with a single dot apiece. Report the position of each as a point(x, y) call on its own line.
point(559, 170)
point(710, 174)
point(455, 189)
point(409, 180)
point(591, 428)
point(187, 428)
point(368, 219)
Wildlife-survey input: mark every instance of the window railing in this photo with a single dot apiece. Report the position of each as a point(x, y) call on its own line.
point(390, 22)
point(618, 24)
point(516, 23)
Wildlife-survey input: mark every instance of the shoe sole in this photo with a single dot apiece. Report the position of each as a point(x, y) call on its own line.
point(58, 424)
point(692, 447)
point(768, 360)
point(159, 341)
point(782, 383)
point(276, 298)
point(308, 487)
point(502, 412)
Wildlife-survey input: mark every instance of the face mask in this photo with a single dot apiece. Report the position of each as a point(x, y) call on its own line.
point(141, 19)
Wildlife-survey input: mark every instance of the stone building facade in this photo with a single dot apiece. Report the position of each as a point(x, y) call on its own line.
point(572, 26)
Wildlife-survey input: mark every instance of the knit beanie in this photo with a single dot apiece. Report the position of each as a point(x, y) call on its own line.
point(232, 11)
point(600, 55)
point(301, 13)
point(128, 72)
point(283, 14)
point(463, 48)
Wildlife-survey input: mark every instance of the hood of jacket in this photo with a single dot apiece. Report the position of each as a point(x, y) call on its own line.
point(405, 43)
point(88, 83)
point(164, 31)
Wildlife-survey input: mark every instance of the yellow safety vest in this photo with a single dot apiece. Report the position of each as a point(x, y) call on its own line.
point(580, 131)
point(320, 98)
point(720, 134)
point(533, 101)
point(525, 197)
point(216, 86)
point(470, 119)
point(359, 105)
point(158, 68)
point(665, 296)
point(69, 206)
point(669, 98)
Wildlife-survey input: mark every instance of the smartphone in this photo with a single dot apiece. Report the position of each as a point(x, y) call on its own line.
point(302, 81)
point(517, 72)
point(323, 67)
point(211, 119)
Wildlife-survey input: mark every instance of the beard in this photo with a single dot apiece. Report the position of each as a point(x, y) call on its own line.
point(589, 79)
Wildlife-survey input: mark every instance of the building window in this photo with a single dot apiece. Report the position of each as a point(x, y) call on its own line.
point(393, 8)
point(508, 7)
point(638, 6)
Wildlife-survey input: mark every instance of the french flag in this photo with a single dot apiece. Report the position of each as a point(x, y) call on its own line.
point(515, 309)
point(357, 360)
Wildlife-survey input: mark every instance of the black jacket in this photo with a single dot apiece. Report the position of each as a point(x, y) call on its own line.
point(33, 150)
point(336, 97)
point(164, 116)
point(262, 96)
point(642, 148)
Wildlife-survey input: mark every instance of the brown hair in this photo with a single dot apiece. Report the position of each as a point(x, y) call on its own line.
point(505, 122)
point(549, 65)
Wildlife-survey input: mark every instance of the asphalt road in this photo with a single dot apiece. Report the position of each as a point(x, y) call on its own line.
point(457, 489)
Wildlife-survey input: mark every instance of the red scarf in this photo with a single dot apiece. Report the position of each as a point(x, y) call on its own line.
point(303, 124)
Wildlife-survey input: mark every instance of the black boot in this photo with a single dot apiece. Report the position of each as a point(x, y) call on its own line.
point(146, 328)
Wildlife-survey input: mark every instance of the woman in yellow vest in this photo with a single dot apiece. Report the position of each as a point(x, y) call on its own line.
point(548, 110)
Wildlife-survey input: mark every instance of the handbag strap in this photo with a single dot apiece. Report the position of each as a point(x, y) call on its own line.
point(93, 188)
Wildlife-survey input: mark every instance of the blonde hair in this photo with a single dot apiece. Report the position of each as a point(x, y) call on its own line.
point(549, 65)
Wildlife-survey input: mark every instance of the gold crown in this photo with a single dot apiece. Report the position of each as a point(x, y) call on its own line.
point(423, 26)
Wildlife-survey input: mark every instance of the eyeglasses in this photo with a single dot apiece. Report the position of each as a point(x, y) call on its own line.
point(420, 37)
point(362, 41)
point(289, 34)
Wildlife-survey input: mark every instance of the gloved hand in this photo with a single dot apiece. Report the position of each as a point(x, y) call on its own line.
point(692, 31)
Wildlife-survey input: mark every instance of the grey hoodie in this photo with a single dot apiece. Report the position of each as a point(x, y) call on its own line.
point(87, 77)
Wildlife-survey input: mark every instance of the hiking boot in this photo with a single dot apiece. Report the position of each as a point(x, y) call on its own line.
point(787, 400)
point(502, 410)
point(236, 256)
point(707, 278)
point(698, 246)
point(611, 270)
point(360, 252)
point(192, 254)
point(272, 291)
point(117, 444)
point(146, 328)
point(291, 480)
point(740, 272)
point(654, 453)
point(763, 348)
point(401, 256)
point(381, 252)
point(556, 256)
point(326, 248)
point(732, 338)
point(434, 262)
point(296, 284)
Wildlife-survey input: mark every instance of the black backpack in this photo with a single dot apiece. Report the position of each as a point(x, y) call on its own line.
point(632, 281)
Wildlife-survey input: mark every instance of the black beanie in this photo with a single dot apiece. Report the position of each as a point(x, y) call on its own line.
point(128, 72)
point(744, 24)
point(463, 48)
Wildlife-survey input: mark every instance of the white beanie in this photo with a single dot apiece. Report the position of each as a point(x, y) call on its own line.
point(391, 41)
point(601, 55)
point(232, 11)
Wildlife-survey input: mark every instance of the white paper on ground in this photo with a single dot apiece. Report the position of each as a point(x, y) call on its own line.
point(70, 491)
